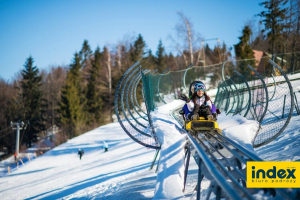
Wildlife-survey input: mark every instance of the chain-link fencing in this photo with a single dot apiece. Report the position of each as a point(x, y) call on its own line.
point(257, 89)
point(260, 90)
point(132, 114)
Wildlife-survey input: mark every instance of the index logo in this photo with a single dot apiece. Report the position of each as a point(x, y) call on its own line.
point(273, 174)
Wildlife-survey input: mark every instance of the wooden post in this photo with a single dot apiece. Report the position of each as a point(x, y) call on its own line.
point(8, 169)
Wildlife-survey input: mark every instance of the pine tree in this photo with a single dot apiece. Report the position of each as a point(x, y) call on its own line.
point(125, 59)
point(160, 57)
point(107, 72)
point(138, 49)
point(150, 61)
point(171, 62)
point(33, 104)
point(85, 52)
point(72, 101)
point(94, 100)
point(273, 19)
point(244, 51)
point(9, 110)
point(85, 55)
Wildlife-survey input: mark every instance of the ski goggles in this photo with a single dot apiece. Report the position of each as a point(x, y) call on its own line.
point(199, 86)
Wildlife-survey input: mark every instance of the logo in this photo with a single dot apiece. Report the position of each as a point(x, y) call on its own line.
point(273, 174)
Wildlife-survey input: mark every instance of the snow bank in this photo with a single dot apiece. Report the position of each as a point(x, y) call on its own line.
point(239, 129)
point(169, 182)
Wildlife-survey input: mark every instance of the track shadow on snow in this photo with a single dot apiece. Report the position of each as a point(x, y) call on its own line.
point(30, 172)
point(72, 188)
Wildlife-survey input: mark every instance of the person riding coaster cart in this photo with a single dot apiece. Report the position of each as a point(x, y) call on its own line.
point(199, 113)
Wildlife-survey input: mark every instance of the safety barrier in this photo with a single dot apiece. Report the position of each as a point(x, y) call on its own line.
point(133, 118)
point(266, 96)
point(252, 93)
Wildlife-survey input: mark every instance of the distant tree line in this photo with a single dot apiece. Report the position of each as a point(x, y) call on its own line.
point(79, 97)
point(278, 33)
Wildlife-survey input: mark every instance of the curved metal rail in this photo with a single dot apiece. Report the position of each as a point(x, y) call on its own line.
point(184, 75)
point(276, 120)
point(131, 125)
point(133, 94)
point(232, 110)
point(249, 93)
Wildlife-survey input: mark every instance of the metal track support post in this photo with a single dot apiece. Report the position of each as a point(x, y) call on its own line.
point(188, 156)
point(200, 177)
point(283, 106)
point(155, 156)
point(296, 104)
point(184, 75)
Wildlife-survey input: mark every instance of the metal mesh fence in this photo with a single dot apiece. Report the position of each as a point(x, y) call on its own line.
point(257, 89)
point(280, 104)
point(164, 88)
point(264, 94)
point(289, 62)
point(132, 116)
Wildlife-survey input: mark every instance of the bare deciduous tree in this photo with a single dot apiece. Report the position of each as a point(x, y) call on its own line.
point(188, 48)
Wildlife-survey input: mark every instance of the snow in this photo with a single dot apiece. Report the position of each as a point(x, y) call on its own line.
point(239, 129)
point(123, 172)
point(60, 174)
point(170, 173)
point(286, 146)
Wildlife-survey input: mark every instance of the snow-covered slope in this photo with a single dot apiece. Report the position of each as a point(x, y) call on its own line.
point(123, 171)
point(60, 174)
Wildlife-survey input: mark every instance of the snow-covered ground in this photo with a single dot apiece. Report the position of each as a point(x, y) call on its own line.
point(60, 174)
point(286, 147)
point(123, 172)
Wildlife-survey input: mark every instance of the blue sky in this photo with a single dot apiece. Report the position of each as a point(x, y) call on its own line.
point(52, 31)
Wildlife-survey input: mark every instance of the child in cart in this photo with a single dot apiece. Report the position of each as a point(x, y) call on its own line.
point(200, 104)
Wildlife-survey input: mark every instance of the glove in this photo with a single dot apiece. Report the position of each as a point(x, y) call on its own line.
point(202, 107)
point(208, 107)
point(184, 98)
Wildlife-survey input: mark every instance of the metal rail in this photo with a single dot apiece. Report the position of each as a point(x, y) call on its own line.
point(184, 75)
point(248, 89)
point(131, 85)
point(122, 109)
point(223, 162)
point(134, 93)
